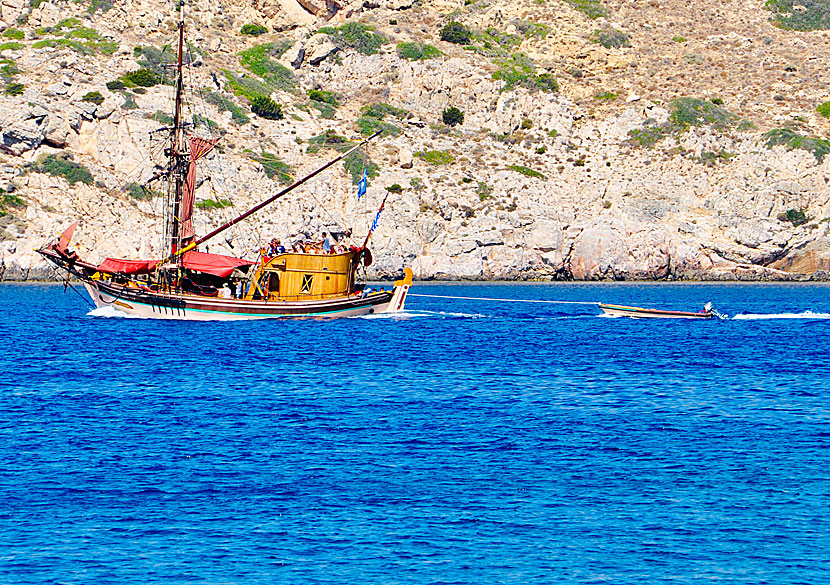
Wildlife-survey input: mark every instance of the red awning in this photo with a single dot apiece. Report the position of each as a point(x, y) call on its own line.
point(127, 266)
point(214, 264)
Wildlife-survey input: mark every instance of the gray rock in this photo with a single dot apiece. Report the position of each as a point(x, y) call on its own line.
point(317, 48)
point(293, 57)
point(23, 136)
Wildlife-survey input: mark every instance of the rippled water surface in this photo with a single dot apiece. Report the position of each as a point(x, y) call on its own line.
point(463, 442)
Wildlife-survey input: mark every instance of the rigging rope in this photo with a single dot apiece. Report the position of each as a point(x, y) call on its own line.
point(594, 303)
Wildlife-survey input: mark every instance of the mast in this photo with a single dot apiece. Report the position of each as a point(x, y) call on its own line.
point(178, 151)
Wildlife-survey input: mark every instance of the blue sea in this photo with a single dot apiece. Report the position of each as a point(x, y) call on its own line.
point(463, 441)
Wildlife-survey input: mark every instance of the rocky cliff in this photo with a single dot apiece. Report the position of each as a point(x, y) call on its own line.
point(615, 140)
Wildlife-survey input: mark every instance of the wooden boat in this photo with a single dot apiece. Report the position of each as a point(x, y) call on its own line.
point(192, 285)
point(640, 313)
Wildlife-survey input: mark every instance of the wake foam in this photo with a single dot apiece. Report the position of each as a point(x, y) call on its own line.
point(762, 316)
point(109, 313)
point(420, 314)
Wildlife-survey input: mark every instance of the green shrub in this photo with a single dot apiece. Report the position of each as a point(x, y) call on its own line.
point(824, 109)
point(684, 113)
point(265, 107)
point(212, 126)
point(274, 168)
point(159, 61)
point(528, 29)
point(63, 166)
point(129, 102)
point(519, 70)
point(14, 34)
point(14, 46)
point(796, 217)
point(717, 101)
point(372, 119)
point(328, 97)
point(527, 172)
point(687, 112)
point(456, 33)
point(593, 9)
point(709, 158)
point(324, 101)
point(606, 95)
point(678, 39)
point(792, 140)
point(253, 30)
point(328, 139)
point(238, 115)
point(93, 97)
point(209, 204)
point(15, 89)
point(417, 51)
point(484, 191)
point(811, 15)
point(452, 116)
point(495, 43)
point(435, 157)
point(143, 77)
point(258, 61)
point(10, 200)
point(162, 118)
point(102, 5)
point(115, 85)
point(248, 87)
point(611, 38)
point(356, 162)
point(140, 192)
point(355, 35)
point(395, 188)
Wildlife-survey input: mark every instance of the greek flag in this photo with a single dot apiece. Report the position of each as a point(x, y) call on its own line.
point(375, 223)
point(361, 186)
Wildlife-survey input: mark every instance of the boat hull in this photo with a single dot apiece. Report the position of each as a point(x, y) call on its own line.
point(641, 313)
point(152, 305)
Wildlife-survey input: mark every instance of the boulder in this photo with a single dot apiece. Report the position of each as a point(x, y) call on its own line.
point(293, 57)
point(23, 136)
point(317, 48)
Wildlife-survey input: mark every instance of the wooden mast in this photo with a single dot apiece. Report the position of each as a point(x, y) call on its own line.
point(178, 152)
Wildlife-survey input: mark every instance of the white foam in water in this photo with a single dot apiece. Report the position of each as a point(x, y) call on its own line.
point(109, 312)
point(408, 314)
point(804, 315)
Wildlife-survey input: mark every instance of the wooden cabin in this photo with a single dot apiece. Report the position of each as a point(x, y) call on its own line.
point(295, 276)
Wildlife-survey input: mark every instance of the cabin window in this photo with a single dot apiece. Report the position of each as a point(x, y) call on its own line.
point(307, 280)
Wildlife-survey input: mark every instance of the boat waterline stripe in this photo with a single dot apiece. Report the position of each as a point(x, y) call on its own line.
point(184, 310)
point(506, 300)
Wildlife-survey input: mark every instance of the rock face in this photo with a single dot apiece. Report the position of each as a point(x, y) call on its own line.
point(532, 184)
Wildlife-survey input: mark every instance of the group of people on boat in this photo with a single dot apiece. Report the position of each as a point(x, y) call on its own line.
point(328, 244)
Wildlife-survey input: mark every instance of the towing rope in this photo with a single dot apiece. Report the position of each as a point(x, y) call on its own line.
point(506, 300)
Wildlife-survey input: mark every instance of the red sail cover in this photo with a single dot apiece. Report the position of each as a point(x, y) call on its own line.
point(214, 264)
point(112, 265)
point(66, 237)
point(199, 147)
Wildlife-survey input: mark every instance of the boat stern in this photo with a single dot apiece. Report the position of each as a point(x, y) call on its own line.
point(399, 292)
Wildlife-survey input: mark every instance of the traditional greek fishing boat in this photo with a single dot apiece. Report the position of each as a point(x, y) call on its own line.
point(193, 285)
point(640, 313)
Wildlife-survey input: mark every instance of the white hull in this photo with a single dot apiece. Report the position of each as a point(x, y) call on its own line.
point(240, 310)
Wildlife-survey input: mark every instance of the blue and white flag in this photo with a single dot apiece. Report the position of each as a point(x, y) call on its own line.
point(375, 223)
point(361, 186)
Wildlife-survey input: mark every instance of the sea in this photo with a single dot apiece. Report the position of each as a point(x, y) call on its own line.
point(463, 441)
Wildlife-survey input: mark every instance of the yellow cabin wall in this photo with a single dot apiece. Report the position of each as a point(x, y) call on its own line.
point(330, 276)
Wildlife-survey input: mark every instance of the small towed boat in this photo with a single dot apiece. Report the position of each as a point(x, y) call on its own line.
point(640, 313)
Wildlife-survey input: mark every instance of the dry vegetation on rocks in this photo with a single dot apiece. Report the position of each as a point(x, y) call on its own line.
point(637, 139)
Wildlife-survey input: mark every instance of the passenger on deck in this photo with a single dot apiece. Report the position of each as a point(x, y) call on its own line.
point(326, 244)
